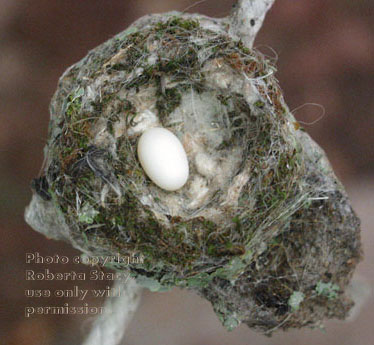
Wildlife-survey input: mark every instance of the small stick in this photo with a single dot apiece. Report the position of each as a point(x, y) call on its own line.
point(246, 19)
point(109, 328)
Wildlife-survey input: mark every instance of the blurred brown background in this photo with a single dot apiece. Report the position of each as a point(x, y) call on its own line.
point(325, 52)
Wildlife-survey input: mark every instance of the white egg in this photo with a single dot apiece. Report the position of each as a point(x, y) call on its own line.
point(163, 158)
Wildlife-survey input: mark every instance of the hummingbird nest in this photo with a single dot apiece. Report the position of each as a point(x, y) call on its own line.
point(262, 228)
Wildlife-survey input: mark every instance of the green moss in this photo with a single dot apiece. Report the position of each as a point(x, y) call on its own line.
point(200, 280)
point(243, 48)
point(175, 23)
point(259, 104)
point(142, 79)
point(74, 102)
point(167, 102)
point(224, 99)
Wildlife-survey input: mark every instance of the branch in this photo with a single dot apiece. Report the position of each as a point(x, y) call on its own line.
point(109, 328)
point(246, 19)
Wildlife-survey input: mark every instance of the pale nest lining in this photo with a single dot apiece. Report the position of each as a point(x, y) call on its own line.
point(202, 124)
point(254, 229)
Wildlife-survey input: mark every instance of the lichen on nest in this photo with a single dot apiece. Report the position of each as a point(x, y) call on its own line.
point(245, 231)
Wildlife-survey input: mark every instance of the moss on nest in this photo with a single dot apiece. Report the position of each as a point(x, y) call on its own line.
point(247, 243)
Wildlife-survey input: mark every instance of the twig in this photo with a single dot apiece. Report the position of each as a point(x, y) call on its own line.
point(109, 328)
point(246, 19)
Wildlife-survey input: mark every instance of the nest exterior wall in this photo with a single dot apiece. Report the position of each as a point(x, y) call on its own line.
point(262, 229)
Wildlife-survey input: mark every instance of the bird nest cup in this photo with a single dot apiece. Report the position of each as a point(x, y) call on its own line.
point(260, 226)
